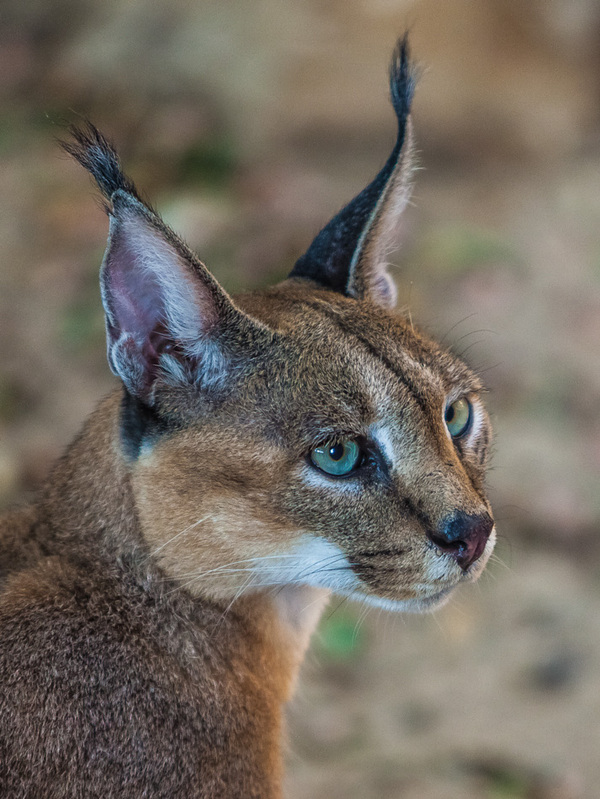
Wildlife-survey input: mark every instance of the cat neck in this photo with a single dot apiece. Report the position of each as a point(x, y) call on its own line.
point(87, 513)
point(87, 505)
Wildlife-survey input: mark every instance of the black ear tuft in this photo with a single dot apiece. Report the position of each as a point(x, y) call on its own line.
point(96, 154)
point(402, 84)
point(335, 258)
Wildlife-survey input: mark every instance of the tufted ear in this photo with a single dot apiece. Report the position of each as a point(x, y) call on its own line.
point(167, 318)
point(350, 254)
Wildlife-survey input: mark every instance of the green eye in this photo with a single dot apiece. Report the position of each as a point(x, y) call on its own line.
point(458, 417)
point(338, 459)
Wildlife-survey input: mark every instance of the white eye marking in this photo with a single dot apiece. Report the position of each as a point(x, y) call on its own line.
point(318, 479)
point(382, 437)
point(476, 419)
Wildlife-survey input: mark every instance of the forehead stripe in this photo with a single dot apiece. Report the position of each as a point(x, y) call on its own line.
point(331, 314)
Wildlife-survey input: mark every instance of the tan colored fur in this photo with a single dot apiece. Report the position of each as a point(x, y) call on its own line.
point(225, 490)
point(158, 599)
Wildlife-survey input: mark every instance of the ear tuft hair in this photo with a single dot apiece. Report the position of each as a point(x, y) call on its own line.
point(403, 80)
point(96, 154)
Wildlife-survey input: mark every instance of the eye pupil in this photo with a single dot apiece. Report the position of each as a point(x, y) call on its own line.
point(336, 452)
point(450, 413)
point(337, 459)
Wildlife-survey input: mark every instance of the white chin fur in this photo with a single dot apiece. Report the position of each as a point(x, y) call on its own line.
point(424, 604)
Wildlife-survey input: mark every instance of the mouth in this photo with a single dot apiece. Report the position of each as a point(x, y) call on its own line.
point(397, 579)
point(378, 569)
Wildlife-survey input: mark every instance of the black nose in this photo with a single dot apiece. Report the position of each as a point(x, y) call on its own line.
point(463, 536)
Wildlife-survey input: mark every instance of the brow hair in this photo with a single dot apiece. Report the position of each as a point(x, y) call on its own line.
point(351, 332)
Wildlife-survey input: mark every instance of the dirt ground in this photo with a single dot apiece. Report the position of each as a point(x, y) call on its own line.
point(249, 125)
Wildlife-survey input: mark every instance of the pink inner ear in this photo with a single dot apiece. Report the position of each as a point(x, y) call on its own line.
point(383, 290)
point(152, 290)
point(153, 299)
point(136, 296)
point(159, 300)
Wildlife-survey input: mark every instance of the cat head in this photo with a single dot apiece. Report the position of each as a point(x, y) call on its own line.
point(302, 434)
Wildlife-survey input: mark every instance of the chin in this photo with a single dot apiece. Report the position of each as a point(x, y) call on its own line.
point(421, 604)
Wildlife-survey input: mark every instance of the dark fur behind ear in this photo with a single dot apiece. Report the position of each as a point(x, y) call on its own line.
point(96, 154)
point(329, 259)
point(138, 423)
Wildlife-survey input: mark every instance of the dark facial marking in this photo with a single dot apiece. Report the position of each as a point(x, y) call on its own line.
point(351, 332)
point(138, 423)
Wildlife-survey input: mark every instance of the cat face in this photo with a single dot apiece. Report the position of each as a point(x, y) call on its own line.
point(235, 501)
point(304, 434)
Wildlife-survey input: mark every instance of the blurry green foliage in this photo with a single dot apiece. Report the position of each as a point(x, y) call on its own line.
point(23, 127)
point(13, 400)
point(509, 786)
point(9, 134)
point(220, 256)
point(81, 326)
point(506, 782)
point(341, 635)
point(455, 249)
point(210, 164)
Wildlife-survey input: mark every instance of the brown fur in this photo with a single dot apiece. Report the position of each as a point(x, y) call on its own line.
point(114, 684)
point(157, 601)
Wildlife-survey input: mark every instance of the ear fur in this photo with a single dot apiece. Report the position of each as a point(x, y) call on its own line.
point(167, 318)
point(349, 254)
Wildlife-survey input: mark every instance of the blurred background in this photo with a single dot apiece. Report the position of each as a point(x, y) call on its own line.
point(249, 125)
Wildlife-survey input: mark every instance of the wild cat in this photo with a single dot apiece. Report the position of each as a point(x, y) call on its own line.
point(258, 453)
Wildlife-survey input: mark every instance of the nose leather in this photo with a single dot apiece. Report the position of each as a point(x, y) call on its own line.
point(463, 536)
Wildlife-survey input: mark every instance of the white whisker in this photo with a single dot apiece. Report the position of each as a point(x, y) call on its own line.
point(247, 584)
point(175, 537)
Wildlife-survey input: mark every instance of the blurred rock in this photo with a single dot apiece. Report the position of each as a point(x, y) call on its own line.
point(556, 671)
